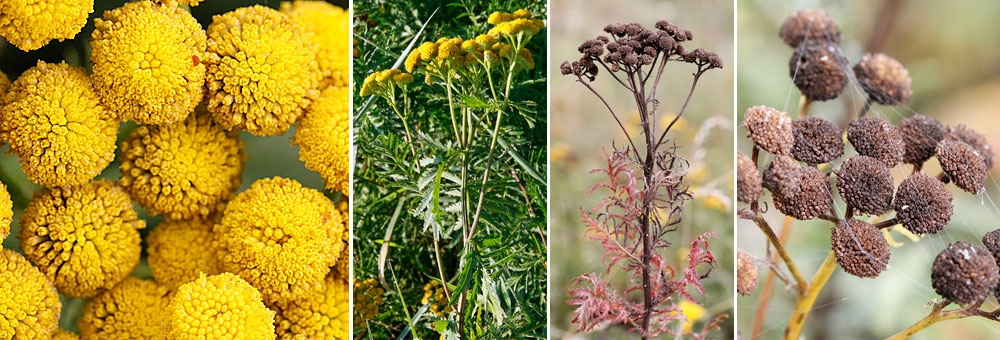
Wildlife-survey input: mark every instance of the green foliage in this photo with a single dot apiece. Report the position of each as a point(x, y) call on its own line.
point(416, 159)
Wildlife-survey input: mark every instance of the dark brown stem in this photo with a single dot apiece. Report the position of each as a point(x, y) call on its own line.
point(829, 218)
point(613, 114)
point(866, 107)
point(683, 107)
point(887, 223)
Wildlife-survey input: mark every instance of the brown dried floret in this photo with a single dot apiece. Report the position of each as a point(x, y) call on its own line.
point(809, 24)
point(965, 273)
point(962, 164)
point(975, 139)
point(865, 184)
point(748, 183)
point(770, 129)
point(746, 273)
point(860, 248)
point(817, 140)
point(920, 135)
point(922, 205)
point(782, 176)
point(812, 199)
point(992, 242)
point(884, 79)
point(818, 69)
point(876, 137)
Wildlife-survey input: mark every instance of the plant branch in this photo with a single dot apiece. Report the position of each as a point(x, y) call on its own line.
point(800, 282)
point(758, 323)
point(807, 298)
point(938, 314)
point(683, 107)
point(613, 114)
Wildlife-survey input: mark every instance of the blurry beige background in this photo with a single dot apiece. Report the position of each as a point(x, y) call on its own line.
point(953, 56)
point(581, 126)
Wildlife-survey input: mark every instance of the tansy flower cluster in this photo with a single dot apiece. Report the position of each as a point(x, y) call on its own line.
point(367, 300)
point(435, 297)
point(385, 81)
point(266, 263)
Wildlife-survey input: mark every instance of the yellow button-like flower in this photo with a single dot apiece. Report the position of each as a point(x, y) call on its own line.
point(323, 314)
point(83, 238)
point(434, 296)
point(181, 250)
point(4, 86)
point(29, 305)
point(343, 267)
point(55, 123)
point(61, 334)
point(182, 170)
point(262, 71)
point(323, 140)
point(280, 237)
point(31, 24)
point(191, 3)
point(328, 25)
point(147, 62)
point(133, 309)
point(6, 211)
point(367, 299)
point(218, 307)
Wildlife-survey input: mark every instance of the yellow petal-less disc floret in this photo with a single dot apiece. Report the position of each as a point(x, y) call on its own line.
point(323, 140)
point(367, 300)
point(30, 24)
point(6, 211)
point(133, 309)
point(29, 305)
point(61, 334)
point(262, 71)
point(324, 314)
point(182, 170)
point(328, 25)
point(4, 86)
point(147, 62)
point(280, 237)
point(218, 307)
point(55, 123)
point(83, 238)
point(191, 3)
point(343, 267)
point(181, 250)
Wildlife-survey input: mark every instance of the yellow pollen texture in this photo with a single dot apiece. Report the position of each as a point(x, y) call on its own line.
point(31, 24)
point(323, 138)
point(131, 310)
point(218, 307)
point(324, 314)
point(328, 26)
point(29, 305)
point(181, 250)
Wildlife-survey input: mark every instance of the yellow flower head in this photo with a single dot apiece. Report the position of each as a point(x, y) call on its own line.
point(262, 71)
point(403, 79)
point(521, 14)
point(367, 299)
point(31, 24)
point(342, 269)
point(322, 138)
point(133, 309)
point(412, 60)
point(486, 41)
point(525, 62)
point(451, 48)
point(328, 25)
point(435, 296)
point(323, 314)
point(30, 305)
point(55, 123)
point(181, 250)
point(61, 334)
point(83, 237)
point(218, 307)
point(6, 211)
point(191, 3)
point(497, 18)
point(470, 46)
point(147, 62)
point(512, 24)
point(4, 85)
point(692, 311)
point(428, 51)
point(182, 170)
point(386, 75)
point(281, 237)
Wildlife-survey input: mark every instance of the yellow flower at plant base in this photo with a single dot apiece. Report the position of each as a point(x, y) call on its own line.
point(31, 24)
point(53, 120)
point(328, 25)
point(6, 211)
point(61, 334)
point(181, 250)
point(83, 238)
point(133, 309)
point(434, 295)
point(262, 71)
point(367, 299)
point(147, 62)
point(218, 307)
point(29, 305)
point(692, 311)
point(182, 170)
point(280, 237)
point(323, 138)
point(323, 314)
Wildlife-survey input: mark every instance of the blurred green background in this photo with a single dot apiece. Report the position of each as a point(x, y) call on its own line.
point(952, 55)
point(582, 127)
point(266, 156)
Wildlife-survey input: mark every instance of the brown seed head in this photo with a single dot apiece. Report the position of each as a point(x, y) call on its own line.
point(817, 140)
point(922, 205)
point(963, 165)
point(809, 24)
point(746, 273)
point(876, 137)
point(748, 183)
point(865, 184)
point(812, 199)
point(992, 242)
point(884, 79)
point(770, 129)
point(976, 140)
point(965, 273)
point(782, 176)
point(920, 135)
point(860, 248)
point(818, 69)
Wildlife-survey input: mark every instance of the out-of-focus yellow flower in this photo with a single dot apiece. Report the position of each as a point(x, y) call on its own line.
point(280, 237)
point(324, 314)
point(367, 299)
point(181, 250)
point(32, 24)
point(30, 305)
point(61, 334)
point(698, 173)
point(83, 238)
point(328, 25)
point(714, 202)
point(692, 311)
point(55, 123)
point(435, 296)
point(218, 307)
point(147, 62)
point(262, 71)
point(182, 170)
point(133, 309)
point(6, 211)
point(323, 138)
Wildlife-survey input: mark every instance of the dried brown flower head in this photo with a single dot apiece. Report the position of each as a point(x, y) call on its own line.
point(975, 139)
point(746, 273)
point(865, 183)
point(922, 205)
point(770, 129)
point(884, 79)
point(748, 182)
point(782, 176)
point(860, 248)
point(876, 137)
point(965, 273)
point(818, 69)
point(817, 140)
point(992, 242)
point(920, 135)
point(812, 199)
point(962, 164)
point(809, 24)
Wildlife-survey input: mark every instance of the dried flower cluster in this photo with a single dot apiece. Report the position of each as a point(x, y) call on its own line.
point(266, 263)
